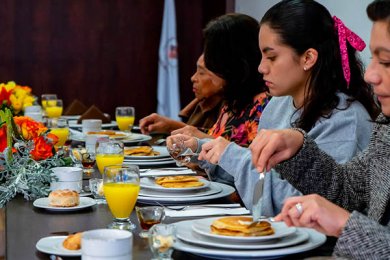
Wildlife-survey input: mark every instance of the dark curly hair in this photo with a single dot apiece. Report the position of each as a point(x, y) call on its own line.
point(379, 10)
point(231, 51)
point(304, 24)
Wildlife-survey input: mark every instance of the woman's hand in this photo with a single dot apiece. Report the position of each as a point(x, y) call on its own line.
point(212, 151)
point(271, 147)
point(316, 212)
point(188, 141)
point(191, 131)
point(157, 123)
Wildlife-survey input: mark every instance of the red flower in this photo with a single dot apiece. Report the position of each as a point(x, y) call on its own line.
point(43, 148)
point(3, 138)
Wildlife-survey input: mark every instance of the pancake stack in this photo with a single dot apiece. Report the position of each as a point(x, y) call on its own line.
point(239, 226)
point(141, 151)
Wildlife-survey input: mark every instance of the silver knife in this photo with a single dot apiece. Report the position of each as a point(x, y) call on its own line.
point(257, 196)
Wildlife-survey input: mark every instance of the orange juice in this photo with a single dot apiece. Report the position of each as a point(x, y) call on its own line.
point(121, 198)
point(124, 122)
point(62, 134)
point(48, 102)
point(104, 160)
point(53, 111)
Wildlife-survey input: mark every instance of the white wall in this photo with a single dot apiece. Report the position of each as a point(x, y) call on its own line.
point(352, 13)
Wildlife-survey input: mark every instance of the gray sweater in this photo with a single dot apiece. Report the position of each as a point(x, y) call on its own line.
point(345, 133)
point(361, 185)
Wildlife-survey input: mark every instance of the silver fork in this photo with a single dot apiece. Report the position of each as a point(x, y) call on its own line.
point(180, 208)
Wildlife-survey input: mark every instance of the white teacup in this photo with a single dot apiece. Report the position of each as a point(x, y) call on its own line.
point(107, 244)
point(68, 178)
point(91, 125)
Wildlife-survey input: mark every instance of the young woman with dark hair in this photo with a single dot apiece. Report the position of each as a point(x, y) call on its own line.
point(316, 83)
point(361, 187)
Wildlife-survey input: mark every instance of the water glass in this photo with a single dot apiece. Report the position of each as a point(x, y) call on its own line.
point(121, 188)
point(125, 118)
point(176, 151)
point(161, 240)
point(148, 217)
point(96, 187)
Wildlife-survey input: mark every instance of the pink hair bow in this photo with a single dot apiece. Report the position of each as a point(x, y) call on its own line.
point(345, 35)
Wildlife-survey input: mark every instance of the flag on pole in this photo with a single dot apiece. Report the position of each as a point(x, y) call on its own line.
point(168, 79)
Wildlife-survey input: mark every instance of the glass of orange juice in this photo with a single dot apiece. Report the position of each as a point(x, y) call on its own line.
point(45, 98)
point(108, 152)
point(125, 118)
point(59, 127)
point(54, 108)
point(121, 188)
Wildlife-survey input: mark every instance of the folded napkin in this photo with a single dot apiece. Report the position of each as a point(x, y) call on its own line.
point(75, 108)
point(166, 172)
point(94, 113)
point(204, 211)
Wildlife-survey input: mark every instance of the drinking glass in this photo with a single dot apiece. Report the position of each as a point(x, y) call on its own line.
point(59, 127)
point(96, 188)
point(180, 152)
point(148, 217)
point(46, 98)
point(108, 152)
point(54, 108)
point(121, 188)
point(161, 240)
point(125, 118)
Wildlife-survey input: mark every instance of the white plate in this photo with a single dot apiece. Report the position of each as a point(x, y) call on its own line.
point(73, 117)
point(185, 233)
point(179, 200)
point(131, 138)
point(43, 203)
point(161, 149)
point(150, 183)
point(315, 240)
point(169, 161)
point(74, 124)
point(53, 245)
point(202, 227)
point(212, 189)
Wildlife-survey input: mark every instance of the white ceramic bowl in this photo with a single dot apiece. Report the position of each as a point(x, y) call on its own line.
point(68, 173)
point(70, 185)
point(107, 244)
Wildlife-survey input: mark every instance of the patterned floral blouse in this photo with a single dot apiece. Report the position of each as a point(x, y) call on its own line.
point(242, 128)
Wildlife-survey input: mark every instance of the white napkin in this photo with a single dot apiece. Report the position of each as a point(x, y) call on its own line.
point(163, 172)
point(199, 212)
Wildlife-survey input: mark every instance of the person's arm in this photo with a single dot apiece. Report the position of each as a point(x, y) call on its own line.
point(363, 238)
point(158, 123)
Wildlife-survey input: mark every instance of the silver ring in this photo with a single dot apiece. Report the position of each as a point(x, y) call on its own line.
point(299, 208)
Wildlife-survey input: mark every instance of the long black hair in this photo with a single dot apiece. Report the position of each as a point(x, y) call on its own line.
point(304, 24)
point(231, 51)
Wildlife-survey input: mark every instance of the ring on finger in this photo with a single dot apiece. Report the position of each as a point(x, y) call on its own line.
point(299, 208)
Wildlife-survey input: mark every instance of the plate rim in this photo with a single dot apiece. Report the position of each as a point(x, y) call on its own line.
point(174, 194)
point(89, 203)
point(56, 239)
point(226, 191)
point(71, 124)
point(175, 190)
point(196, 223)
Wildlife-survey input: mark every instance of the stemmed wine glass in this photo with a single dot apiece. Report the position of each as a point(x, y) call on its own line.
point(121, 187)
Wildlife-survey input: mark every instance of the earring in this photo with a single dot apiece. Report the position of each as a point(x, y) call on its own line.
point(304, 68)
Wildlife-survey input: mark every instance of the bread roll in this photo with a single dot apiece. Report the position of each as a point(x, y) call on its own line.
point(64, 198)
point(73, 242)
point(239, 226)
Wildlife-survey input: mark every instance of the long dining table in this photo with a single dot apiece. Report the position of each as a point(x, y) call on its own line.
point(25, 225)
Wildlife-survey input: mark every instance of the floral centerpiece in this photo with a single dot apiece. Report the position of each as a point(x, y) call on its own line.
point(15, 97)
point(27, 154)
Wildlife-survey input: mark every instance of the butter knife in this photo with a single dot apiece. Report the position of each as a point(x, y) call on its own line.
point(257, 196)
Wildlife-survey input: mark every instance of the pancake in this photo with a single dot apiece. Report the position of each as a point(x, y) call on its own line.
point(141, 151)
point(179, 181)
point(239, 226)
